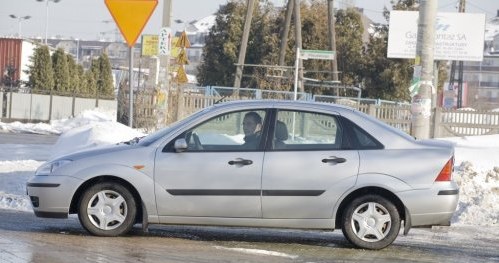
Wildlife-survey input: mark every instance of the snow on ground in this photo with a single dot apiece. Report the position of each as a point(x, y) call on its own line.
point(476, 166)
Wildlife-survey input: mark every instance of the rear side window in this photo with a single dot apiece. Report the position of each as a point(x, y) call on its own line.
point(297, 130)
point(360, 139)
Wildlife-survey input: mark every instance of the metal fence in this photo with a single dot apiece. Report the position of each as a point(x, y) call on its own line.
point(465, 122)
point(181, 103)
point(444, 122)
point(30, 107)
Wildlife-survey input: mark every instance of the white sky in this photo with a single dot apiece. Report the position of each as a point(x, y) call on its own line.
point(476, 167)
point(83, 19)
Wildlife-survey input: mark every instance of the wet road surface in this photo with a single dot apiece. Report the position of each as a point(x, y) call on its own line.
point(25, 238)
point(27, 138)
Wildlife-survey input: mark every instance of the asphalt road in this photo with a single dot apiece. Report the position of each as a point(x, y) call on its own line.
point(27, 138)
point(25, 238)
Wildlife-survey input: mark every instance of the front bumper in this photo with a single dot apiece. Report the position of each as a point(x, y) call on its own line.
point(431, 207)
point(51, 195)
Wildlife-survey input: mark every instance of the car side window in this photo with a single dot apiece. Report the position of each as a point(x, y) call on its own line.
point(297, 130)
point(235, 131)
point(362, 139)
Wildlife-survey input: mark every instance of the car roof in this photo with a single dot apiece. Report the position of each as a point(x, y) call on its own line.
point(286, 104)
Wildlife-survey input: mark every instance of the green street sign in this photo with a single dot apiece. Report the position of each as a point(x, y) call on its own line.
point(317, 54)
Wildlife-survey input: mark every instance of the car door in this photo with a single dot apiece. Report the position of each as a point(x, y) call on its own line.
point(216, 175)
point(306, 169)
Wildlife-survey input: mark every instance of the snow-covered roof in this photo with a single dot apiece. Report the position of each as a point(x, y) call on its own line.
point(204, 25)
point(492, 28)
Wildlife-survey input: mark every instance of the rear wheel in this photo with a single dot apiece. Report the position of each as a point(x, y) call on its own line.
point(371, 222)
point(107, 209)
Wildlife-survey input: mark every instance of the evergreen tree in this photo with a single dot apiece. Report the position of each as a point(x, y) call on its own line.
point(387, 78)
point(105, 76)
point(81, 73)
point(95, 71)
point(61, 70)
point(41, 73)
point(220, 52)
point(89, 86)
point(349, 30)
point(74, 77)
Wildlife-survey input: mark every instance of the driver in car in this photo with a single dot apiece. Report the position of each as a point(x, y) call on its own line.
point(252, 127)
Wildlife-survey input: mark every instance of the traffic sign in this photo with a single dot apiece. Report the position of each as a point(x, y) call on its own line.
point(317, 54)
point(131, 16)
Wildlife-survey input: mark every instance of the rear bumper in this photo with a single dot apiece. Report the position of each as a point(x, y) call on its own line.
point(431, 207)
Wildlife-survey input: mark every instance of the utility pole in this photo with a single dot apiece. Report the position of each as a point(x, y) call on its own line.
point(332, 38)
point(462, 6)
point(423, 69)
point(298, 40)
point(285, 32)
point(164, 61)
point(244, 44)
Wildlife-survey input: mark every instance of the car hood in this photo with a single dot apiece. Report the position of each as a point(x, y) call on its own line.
point(97, 151)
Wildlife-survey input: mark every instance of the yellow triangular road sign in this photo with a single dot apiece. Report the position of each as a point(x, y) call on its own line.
point(183, 41)
point(182, 58)
point(181, 76)
point(131, 16)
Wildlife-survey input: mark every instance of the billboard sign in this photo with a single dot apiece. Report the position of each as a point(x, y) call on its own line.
point(458, 36)
point(150, 45)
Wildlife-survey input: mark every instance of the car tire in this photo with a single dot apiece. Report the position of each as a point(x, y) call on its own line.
point(107, 209)
point(371, 222)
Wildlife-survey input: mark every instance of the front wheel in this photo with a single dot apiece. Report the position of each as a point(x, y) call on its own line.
point(107, 209)
point(371, 222)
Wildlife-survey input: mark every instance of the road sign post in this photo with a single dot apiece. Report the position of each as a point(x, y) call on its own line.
point(310, 54)
point(131, 17)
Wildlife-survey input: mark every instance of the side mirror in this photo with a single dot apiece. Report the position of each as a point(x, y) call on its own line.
point(180, 145)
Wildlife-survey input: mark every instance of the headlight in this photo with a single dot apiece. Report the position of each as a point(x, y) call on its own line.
point(48, 168)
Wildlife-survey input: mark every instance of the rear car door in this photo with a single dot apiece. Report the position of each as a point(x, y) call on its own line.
point(306, 167)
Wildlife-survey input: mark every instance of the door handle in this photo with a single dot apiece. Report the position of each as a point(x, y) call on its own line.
point(241, 162)
point(334, 159)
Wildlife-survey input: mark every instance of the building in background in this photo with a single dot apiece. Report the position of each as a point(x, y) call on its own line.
point(15, 56)
point(482, 78)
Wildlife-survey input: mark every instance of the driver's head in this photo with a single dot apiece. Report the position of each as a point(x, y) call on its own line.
point(252, 123)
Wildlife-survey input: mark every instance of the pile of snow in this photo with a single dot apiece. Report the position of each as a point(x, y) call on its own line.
point(476, 166)
point(91, 135)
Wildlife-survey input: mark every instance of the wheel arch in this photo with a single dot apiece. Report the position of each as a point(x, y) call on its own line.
point(369, 190)
point(73, 208)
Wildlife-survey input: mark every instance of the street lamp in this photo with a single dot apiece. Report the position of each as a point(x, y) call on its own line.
point(19, 20)
point(47, 16)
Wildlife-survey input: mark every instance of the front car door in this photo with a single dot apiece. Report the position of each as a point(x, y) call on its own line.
point(218, 175)
point(306, 168)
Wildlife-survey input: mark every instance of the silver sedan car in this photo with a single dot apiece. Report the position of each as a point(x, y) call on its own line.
point(281, 164)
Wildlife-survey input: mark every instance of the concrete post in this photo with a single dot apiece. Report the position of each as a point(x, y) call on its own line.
point(421, 102)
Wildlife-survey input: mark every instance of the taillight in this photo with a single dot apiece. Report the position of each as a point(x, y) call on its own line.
point(446, 173)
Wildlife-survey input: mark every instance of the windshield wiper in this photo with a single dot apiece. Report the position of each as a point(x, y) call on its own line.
point(133, 141)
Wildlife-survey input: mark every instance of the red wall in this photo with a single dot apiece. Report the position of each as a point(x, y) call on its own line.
point(10, 53)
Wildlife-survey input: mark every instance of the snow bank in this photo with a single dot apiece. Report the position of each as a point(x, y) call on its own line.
point(91, 135)
point(478, 196)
